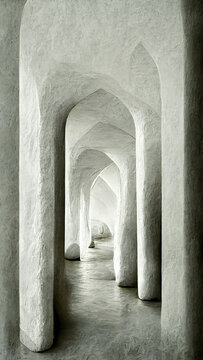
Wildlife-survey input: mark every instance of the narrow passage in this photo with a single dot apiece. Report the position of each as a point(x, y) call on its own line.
point(106, 322)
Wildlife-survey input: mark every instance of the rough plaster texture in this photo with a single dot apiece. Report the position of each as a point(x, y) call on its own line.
point(191, 264)
point(148, 168)
point(63, 73)
point(73, 252)
point(56, 85)
point(10, 19)
point(125, 253)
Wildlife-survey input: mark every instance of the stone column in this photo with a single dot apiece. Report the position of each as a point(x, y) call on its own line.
point(72, 213)
point(193, 177)
point(37, 225)
point(125, 253)
point(182, 336)
point(10, 19)
point(148, 168)
point(85, 234)
point(173, 314)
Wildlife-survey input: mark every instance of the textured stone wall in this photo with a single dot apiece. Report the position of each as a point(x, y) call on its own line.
point(65, 86)
point(193, 176)
point(10, 19)
point(150, 61)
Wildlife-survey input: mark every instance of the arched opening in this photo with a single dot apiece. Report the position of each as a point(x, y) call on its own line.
point(92, 111)
point(99, 132)
point(96, 132)
point(104, 212)
point(104, 202)
point(98, 217)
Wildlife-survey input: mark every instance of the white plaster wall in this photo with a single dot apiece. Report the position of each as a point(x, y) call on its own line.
point(51, 38)
point(51, 35)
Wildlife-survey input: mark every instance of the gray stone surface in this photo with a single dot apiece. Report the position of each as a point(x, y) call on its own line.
point(10, 19)
point(188, 255)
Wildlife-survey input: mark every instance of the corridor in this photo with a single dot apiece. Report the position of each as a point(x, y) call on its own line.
point(106, 322)
point(110, 321)
point(101, 135)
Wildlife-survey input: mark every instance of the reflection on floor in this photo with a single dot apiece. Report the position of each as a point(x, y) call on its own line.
point(106, 322)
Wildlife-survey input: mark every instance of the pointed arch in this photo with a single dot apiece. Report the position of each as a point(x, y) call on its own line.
point(144, 77)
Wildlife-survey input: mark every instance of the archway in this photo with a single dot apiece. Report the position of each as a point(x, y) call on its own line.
point(165, 40)
point(104, 201)
point(47, 223)
point(120, 147)
point(127, 169)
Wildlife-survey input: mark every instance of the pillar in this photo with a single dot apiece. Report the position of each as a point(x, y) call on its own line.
point(85, 233)
point(148, 156)
point(173, 314)
point(10, 19)
point(72, 213)
point(37, 229)
point(125, 253)
point(193, 177)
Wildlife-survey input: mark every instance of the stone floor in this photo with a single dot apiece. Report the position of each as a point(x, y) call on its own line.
point(106, 322)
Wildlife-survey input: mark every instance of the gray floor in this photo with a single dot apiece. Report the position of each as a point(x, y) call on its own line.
point(106, 322)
